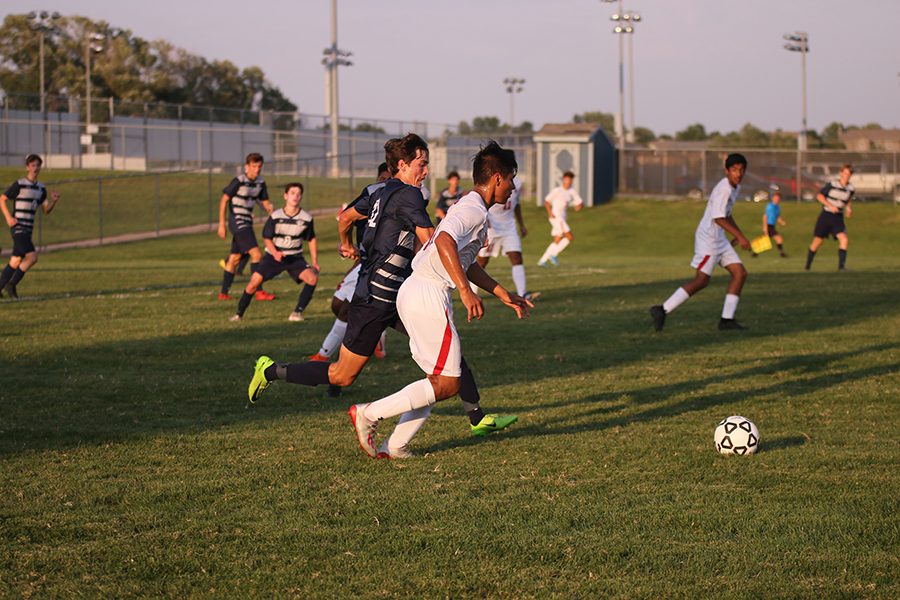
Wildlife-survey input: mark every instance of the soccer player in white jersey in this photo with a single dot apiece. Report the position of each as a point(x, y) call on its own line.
point(27, 194)
point(556, 203)
point(711, 248)
point(503, 236)
point(446, 261)
point(836, 199)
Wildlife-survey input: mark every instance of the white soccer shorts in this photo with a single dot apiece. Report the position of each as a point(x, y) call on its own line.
point(501, 243)
point(426, 310)
point(707, 262)
point(347, 285)
point(558, 227)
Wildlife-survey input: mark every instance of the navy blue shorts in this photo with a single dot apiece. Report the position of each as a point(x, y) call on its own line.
point(771, 231)
point(366, 321)
point(242, 241)
point(22, 244)
point(269, 268)
point(829, 224)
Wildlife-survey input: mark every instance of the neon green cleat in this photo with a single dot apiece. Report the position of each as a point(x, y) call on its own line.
point(491, 423)
point(259, 383)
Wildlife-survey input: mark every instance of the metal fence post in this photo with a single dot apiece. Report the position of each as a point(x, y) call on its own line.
point(703, 173)
point(209, 201)
point(157, 204)
point(146, 141)
point(100, 207)
point(798, 177)
point(352, 152)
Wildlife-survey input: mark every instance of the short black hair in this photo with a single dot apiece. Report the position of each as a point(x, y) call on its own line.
point(569, 174)
point(382, 168)
point(33, 158)
point(254, 157)
point(492, 159)
point(293, 184)
point(735, 159)
point(452, 174)
point(405, 149)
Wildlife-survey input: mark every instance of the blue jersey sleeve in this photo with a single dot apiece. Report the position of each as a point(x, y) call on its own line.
point(12, 192)
point(825, 189)
point(231, 189)
point(263, 192)
point(310, 232)
point(411, 207)
point(268, 231)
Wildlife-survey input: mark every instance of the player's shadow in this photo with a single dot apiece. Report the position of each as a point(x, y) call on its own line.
point(782, 442)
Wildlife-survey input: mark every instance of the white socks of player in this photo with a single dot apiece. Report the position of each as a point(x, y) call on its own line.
point(554, 249)
point(408, 426)
point(334, 338)
point(561, 245)
point(730, 306)
point(518, 276)
point(418, 394)
point(676, 300)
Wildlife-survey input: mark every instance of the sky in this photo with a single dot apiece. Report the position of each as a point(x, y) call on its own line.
point(716, 62)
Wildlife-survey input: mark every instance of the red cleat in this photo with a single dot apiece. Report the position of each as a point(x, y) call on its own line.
point(379, 350)
point(262, 296)
point(318, 358)
point(225, 296)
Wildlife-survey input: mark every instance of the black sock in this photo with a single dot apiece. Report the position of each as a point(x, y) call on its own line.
point(810, 255)
point(468, 393)
point(842, 258)
point(227, 280)
point(780, 249)
point(243, 303)
point(17, 276)
point(5, 276)
point(312, 373)
point(271, 372)
point(305, 296)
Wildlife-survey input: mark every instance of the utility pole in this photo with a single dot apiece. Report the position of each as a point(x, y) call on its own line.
point(799, 42)
point(513, 87)
point(42, 22)
point(333, 58)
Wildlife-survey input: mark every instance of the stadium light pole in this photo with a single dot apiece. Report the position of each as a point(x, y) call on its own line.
point(513, 87)
point(635, 18)
point(799, 42)
point(42, 22)
point(333, 57)
point(91, 46)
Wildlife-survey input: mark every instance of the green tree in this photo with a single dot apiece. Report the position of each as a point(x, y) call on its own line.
point(643, 135)
point(605, 120)
point(692, 133)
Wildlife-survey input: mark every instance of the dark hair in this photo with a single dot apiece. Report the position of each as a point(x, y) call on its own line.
point(293, 184)
point(254, 157)
point(847, 166)
point(382, 168)
point(32, 158)
point(492, 159)
point(405, 149)
point(452, 174)
point(735, 159)
point(569, 174)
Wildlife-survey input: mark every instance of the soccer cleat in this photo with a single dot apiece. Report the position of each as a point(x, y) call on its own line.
point(222, 263)
point(235, 318)
point(727, 324)
point(393, 453)
point(532, 296)
point(259, 383)
point(317, 357)
point(365, 429)
point(542, 263)
point(491, 423)
point(379, 350)
point(225, 296)
point(554, 261)
point(659, 316)
point(295, 316)
point(13, 292)
point(264, 296)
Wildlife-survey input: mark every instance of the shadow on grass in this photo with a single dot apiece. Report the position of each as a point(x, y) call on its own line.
point(176, 382)
point(782, 443)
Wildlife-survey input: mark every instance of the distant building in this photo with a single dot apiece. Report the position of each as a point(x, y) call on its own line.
point(862, 140)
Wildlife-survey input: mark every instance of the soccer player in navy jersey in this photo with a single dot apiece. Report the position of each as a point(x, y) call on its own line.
point(238, 200)
point(396, 225)
point(27, 195)
point(836, 199)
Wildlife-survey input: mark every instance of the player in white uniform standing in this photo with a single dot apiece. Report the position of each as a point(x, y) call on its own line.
point(505, 224)
point(556, 203)
point(711, 248)
point(425, 306)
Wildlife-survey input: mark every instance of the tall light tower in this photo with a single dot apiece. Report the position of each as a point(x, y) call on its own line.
point(513, 87)
point(333, 57)
point(43, 23)
point(92, 45)
point(634, 18)
point(799, 42)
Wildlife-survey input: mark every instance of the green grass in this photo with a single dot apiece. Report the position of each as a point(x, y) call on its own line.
point(129, 464)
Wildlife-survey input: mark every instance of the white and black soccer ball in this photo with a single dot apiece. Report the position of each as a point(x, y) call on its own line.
point(736, 435)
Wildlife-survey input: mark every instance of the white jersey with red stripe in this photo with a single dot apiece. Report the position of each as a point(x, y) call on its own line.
point(466, 223)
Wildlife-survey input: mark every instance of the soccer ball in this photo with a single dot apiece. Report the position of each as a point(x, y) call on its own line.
point(737, 435)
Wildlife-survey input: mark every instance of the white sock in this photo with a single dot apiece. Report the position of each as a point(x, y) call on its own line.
point(334, 338)
point(418, 394)
point(382, 342)
point(518, 275)
point(550, 251)
point(675, 300)
point(561, 245)
point(409, 425)
point(730, 306)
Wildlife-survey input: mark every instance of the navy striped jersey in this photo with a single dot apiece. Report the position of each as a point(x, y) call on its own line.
point(288, 232)
point(243, 193)
point(360, 226)
point(27, 195)
point(394, 212)
point(838, 195)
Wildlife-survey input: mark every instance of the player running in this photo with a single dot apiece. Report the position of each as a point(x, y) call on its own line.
point(556, 203)
point(503, 218)
point(836, 199)
point(27, 194)
point(238, 199)
point(396, 223)
point(283, 235)
point(424, 302)
point(712, 248)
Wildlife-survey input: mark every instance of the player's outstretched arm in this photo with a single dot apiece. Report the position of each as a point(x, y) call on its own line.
point(314, 253)
point(480, 277)
point(270, 246)
point(267, 206)
point(345, 224)
point(728, 224)
point(449, 255)
point(49, 206)
point(223, 206)
point(10, 220)
point(765, 221)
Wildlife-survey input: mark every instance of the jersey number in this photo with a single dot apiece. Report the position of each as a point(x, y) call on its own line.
point(373, 218)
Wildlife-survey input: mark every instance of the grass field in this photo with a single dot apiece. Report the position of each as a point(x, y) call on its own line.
point(130, 465)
